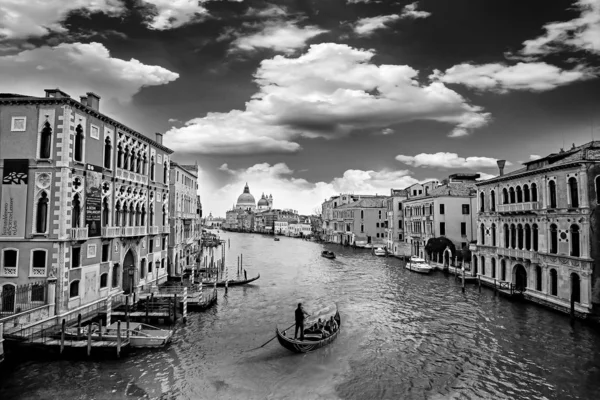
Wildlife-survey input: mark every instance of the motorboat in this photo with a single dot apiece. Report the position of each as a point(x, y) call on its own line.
point(368, 246)
point(140, 335)
point(328, 254)
point(380, 252)
point(276, 239)
point(418, 264)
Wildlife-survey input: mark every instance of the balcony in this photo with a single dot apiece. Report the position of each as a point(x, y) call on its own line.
point(78, 233)
point(518, 207)
point(518, 254)
point(153, 230)
point(132, 176)
point(165, 229)
point(111, 231)
point(9, 271)
point(130, 231)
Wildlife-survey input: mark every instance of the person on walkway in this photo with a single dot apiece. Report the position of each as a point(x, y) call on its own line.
point(300, 313)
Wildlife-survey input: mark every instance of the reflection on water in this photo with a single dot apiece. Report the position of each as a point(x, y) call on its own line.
point(404, 336)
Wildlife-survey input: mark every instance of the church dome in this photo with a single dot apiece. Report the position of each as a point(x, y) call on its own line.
point(246, 199)
point(263, 201)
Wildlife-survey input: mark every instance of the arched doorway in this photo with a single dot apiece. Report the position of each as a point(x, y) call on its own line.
point(170, 266)
point(128, 272)
point(7, 298)
point(575, 288)
point(474, 261)
point(447, 256)
point(520, 277)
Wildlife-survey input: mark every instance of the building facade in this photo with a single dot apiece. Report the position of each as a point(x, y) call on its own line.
point(362, 222)
point(537, 229)
point(396, 243)
point(83, 200)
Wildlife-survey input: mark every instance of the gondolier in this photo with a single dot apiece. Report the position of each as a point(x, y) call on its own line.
point(300, 313)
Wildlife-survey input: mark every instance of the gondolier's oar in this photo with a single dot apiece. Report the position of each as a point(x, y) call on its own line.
point(270, 340)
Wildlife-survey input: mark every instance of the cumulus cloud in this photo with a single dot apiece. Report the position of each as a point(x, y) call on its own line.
point(534, 76)
point(581, 33)
point(22, 19)
point(410, 11)
point(169, 14)
point(281, 36)
point(447, 160)
point(534, 157)
point(329, 91)
point(387, 131)
point(291, 192)
point(270, 11)
point(78, 68)
point(485, 177)
point(367, 26)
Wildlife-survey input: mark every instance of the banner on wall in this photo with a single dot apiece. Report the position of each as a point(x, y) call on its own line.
point(13, 205)
point(93, 200)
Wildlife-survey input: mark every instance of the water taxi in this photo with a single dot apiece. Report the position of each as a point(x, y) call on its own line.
point(418, 264)
point(380, 252)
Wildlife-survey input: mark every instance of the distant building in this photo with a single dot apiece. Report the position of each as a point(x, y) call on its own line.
point(396, 241)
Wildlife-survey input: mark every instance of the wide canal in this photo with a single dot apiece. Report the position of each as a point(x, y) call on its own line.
point(404, 336)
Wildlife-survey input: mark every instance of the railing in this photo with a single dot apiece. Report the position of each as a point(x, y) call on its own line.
point(509, 287)
point(165, 229)
point(111, 231)
point(132, 176)
point(16, 299)
point(9, 271)
point(518, 207)
point(153, 230)
point(517, 253)
point(78, 233)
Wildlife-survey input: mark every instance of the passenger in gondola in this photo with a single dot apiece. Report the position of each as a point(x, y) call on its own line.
point(333, 324)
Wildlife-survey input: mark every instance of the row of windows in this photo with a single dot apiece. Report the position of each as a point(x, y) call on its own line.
point(37, 265)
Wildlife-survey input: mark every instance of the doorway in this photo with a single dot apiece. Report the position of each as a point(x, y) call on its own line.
point(128, 272)
point(520, 277)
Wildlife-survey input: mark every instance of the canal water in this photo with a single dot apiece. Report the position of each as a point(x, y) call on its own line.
point(404, 336)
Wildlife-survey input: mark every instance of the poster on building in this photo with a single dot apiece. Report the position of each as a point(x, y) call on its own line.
point(93, 199)
point(13, 204)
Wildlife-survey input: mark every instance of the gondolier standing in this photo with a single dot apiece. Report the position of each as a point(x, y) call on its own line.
point(300, 313)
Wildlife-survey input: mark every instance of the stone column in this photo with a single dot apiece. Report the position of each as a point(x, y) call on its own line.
point(543, 192)
point(583, 187)
point(51, 299)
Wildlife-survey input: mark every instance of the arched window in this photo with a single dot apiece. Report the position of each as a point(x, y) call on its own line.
point(534, 192)
point(74, 289)
point(493, 267)
point(553, 239)
point(538, 278)
point(494, 235)
point(552, 194)
point(534, 233)
point(138, 214)
point(575, 248)
point(362, 214)
point(41, 218)
point(164, 216)
point(526, 194)
point(105, 212)
point(152, 168)
point(131, 215)
point(118, 214)
point(119, 156)
point(78, 143)
point(132, 161)
point(125, 213)
point(45, 140)
point(511, 193)
point(553, 282)
point(506, 236)
point(115, 275)
point(138, 167)
point(151, 216)
point(505, 196)
point(107, 153)
point(150, 265)
point(126, 158)
point(503, 270)
point(519, 195)
point(165, 172)
point(573, 192)
point(493, 200)
point(520, 236)
point(513, 236)
point(143, 222)
point(575, 288)
point(143, 269)
point(145, 164)
point(76, 214)
point(481, 202)
point(162, 263)
point(482, 265)
point(104, 280)
point(482, 233)
point(527, 237)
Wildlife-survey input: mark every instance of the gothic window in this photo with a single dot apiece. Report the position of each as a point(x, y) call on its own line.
point(45, 140)
point(553, 282)
point(115, 275)
point(165, 172)
point(503, 270)
point(511, 192)
point(79, 143)
point(132, 161)
point(152, 168)
point(138, 214)
point(143, 222)
point(143, 269)
point(519, 195)
point(538, 278)
point(138, 167)
point(527, 237)
point(74, 289)
point(105, 213)
point(573, 193)
point(552, 194)
point(526, 194)
point(513, 236)
point(481, 202)
point(575, 250)
point(131, 215)
point(493, 200)
point(520, 236)
point(575, 288)
point(41, 218)
point(126, 158)
point(107, 153)
point(76, 213)
point(482, 233)
point(505, 196)
point(493, 268)
point(482, 265)
point(145, 165)
point(119, 156)
point(151, 217)
point(553, 239)
point(506, 236)
point(534, 192)
point(534, 234)
point(494, 235)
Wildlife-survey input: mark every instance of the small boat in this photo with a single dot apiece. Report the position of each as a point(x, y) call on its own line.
point(231, 282)
point(328, 254)
point(140, 335)
point(418, 264)
point(368, 246)
point(276, 239)
point(309, 343)
point(380, 252)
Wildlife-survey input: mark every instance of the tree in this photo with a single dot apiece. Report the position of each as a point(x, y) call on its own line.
point(437, 246)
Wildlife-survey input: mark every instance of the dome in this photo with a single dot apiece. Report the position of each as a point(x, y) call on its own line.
point(263, 201)
point(246, 199)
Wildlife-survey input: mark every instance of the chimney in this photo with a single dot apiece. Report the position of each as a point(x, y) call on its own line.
point(83, 100)
point(159, 137)
point(501, 164)
point(93, 101)
point(56, 93)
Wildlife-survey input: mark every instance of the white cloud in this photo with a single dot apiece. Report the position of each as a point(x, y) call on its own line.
point(169, 14)
point(387, 131)
point(534, 76)
point(291, 192)
point(22, 19)
point(329, 91)
point(485, 176)
point(410, 11)
point(447, 160)
point(366, 26)
point(581, 33)
point(270, 11)
point(534, 157)
point(78, 68)
point(282, 36)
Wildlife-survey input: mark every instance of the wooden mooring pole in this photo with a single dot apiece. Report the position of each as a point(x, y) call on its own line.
point(479, 282)
point(175, 307)
point(62, 335)
point(89, 340)
point(147, 309)
point(463, 279)
point(185, 304)
point(127, 316)
point(495, 288)
point(78, 326)
point(118, 338)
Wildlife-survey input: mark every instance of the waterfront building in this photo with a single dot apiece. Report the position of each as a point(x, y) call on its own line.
point(537, 229)
point(184, 218)
point(330, 226)
point(281, 227)
point(440, 210)
point(396, 243)
point(245, 200)
point(361, 222)
point(213, 222)
point(83, 203)
point(265, 203)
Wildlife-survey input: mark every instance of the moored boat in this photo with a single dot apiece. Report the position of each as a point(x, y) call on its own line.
point(140, 335)
point(309, 343)
point(328, 254)
point(418, 264)
point(380, 252)
point(231, 282)
point(276, 239)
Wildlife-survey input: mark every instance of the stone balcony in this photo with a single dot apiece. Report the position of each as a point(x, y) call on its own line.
point(166, 229)
point(111, 231)
point(78, 233)
point(129, 231)
point(153, 230)
point(518, 207)
point(518, 254)
point(132, 176)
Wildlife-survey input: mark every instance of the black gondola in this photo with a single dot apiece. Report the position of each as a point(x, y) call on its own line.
point(306, 346)
point(328, 254)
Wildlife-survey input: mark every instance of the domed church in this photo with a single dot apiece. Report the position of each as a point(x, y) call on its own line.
point(246, 200)
point(265, 203)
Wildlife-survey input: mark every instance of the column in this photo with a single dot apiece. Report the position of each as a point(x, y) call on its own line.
point(583, 187)
point(543, 192)
point(51, 297)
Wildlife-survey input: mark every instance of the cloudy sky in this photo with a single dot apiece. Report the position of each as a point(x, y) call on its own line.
point(308, 98)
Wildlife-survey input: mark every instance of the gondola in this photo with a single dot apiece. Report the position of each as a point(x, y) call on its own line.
point(232, 282)
point(307, 346)
point(276, 239)
point(328, 254)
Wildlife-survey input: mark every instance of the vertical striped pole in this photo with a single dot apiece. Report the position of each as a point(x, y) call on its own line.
point(185, 304)
point(200, 290)
point(108, 310)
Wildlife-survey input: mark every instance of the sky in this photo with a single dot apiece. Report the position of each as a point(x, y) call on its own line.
point(305, 99)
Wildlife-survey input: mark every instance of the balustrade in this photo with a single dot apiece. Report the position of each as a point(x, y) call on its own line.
point(78, 233)
point(518, 207)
